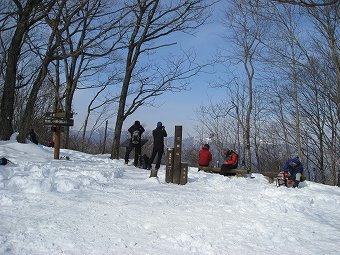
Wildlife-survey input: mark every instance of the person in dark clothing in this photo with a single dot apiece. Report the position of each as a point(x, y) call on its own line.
point(32, 136)
point(231, 162)
point(136, 131)
point(204, 156)
point(293, 169)
point(158, 145)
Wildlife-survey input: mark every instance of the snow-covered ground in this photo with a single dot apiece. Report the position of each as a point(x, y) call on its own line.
point(93, 205)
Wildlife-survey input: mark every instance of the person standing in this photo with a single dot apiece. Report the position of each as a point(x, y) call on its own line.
point(158, 147)
point(136, 131)
point(204, 156)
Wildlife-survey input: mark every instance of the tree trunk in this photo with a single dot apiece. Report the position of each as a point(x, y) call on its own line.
point(29, 110)
point(7, 100)
point(120, 116)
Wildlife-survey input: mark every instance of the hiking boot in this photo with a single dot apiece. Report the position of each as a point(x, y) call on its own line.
point(296, 184)
point(153, 173)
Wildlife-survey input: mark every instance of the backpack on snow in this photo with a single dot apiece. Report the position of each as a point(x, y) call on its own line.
point(3, 161)
point(144, 161)
point(135, 138)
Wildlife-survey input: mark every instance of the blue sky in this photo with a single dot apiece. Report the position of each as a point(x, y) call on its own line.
point(180, 108)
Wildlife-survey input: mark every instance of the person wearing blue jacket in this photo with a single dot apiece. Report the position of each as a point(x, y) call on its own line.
point(293, 170)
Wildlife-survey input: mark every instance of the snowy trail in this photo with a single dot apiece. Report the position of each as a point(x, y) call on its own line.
point(93, 205)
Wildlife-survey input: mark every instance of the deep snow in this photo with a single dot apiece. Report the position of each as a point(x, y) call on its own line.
point(91, 204)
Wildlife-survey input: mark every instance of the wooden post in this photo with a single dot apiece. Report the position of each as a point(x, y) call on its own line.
point(169, 165)
point(184, 174)
point(57, 142)
point(104, 143)
point(177, 155)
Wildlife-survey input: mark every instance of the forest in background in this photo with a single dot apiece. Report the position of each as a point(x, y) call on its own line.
point(281, 75)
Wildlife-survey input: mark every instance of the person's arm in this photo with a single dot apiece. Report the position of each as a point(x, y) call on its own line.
point(164, 132)
point(232, 160)
point(142, 130)
point(299, 168)
point(286, 166)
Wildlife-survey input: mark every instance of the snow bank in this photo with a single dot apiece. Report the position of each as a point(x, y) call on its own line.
point(93, 205)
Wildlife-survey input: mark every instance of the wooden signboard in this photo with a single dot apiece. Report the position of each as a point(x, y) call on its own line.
point(59, 119)
point(169, 165)
point(177, 155)
point(184, 174)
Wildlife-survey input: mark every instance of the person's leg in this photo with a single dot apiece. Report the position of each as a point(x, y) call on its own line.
point(127, 154)
point(153, 155)
point(225, 168)
point(138, 150)
point(159, 158)
point(297, 180)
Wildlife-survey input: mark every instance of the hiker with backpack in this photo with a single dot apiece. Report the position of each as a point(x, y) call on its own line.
point(158, 147)
point(293, 169)
point(231, 162)
point(136, 131)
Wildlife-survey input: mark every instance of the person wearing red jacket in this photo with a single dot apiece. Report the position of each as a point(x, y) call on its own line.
point(231, 162)
point(204, 156)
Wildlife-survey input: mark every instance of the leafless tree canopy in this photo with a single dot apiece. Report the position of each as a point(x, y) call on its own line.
point(309, 3)
point(281, 74)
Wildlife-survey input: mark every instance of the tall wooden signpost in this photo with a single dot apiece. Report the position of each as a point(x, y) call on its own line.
point(176, 171)
point(57, 120)
point(169, 165)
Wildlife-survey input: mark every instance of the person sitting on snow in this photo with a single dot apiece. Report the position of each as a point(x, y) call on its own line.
point(204, 156)
point(293, 170)
point(231, 162)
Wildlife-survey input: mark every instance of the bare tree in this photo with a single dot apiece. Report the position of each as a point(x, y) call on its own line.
point(89, 43)
point(216, 121)
point(28, 15)
point(308, 3)
point(152, 21)
point(326, 72)
point(47, 58)
point(105, 104)
point(244, 21)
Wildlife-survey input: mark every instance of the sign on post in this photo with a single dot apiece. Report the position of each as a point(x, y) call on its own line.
point(176, 171)
point(169, 165)
point(58, 120)
point(184, 174)
point(177, 154)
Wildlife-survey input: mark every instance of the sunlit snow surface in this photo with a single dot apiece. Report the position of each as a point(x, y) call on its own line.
point(91, 204)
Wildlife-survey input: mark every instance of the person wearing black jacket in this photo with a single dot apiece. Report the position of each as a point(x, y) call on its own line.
point(158, 145)
point(136, 131)
point(32, 136)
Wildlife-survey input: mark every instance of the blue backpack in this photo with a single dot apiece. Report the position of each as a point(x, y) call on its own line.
point(3, 161)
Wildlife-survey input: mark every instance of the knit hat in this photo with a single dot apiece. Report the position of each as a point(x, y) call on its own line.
point(137, 123)
point(159, 124)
